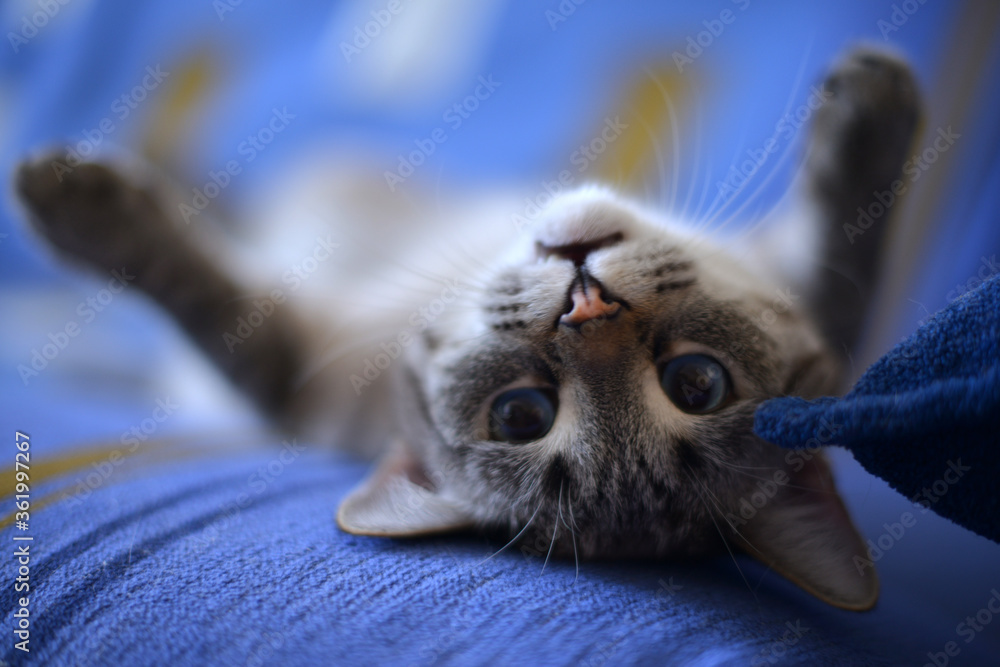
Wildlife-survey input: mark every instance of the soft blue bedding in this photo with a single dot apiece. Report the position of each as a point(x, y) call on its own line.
point(187, 535)
point(925, 417)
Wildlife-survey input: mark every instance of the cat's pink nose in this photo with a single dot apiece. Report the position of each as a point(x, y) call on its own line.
point(588, 304)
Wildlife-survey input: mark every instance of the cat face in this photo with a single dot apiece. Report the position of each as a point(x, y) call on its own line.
point(599, 388)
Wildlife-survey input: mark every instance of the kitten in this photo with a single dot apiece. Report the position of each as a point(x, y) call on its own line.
point(596, 383)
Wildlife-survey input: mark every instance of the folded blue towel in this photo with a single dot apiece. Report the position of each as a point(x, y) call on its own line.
point(925, 417)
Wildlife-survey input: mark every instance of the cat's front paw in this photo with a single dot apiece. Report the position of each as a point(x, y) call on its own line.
point(90, 211)
point(866, 124)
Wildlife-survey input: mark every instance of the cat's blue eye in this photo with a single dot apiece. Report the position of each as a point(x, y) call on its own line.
point(696, 383)
point(522, 415)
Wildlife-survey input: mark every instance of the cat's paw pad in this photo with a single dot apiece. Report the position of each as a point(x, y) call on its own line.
point(870, 112)
point(89, 211)
point(874, 86)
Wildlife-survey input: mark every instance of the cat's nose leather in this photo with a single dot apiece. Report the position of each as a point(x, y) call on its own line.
point(588, 304)
point(577, 252)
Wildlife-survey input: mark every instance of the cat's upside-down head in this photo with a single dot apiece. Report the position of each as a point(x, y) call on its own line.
point(599, 387)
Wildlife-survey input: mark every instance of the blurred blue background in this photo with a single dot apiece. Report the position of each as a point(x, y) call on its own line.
point(562, 69)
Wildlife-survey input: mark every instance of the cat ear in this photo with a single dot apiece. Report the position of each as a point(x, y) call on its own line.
point(397, 500)
point(805, 534)
point(813, 373)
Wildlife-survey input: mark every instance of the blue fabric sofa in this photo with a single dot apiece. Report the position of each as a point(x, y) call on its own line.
point(169, 528)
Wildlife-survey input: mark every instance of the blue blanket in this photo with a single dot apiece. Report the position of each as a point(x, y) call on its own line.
point(162, 539)
point(190, 554)
point(925, 417)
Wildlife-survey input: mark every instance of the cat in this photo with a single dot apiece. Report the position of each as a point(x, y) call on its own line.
point(595, 382)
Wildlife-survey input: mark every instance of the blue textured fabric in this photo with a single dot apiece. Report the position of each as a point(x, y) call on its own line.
point(187, 554)
point(925, 417)
point(233, 558)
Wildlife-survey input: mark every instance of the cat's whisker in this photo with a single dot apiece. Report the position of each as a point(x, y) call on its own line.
point(656, 152)
point(715, 502)
point(674, 138)
point(425, 273)
point(788, 150)
point(436, 281)
point(702, 222)
point(246, 296)
point(745, 237)
point(513, 539)
point(385, 259)
point(788, 105)
point(336, 348)
point(572, 532)
point(311, 370)
point(478, 264)
point(555, 528)
point(431, 289)
point(473, 274)
point(725, 541)
point(734, 465)
point(742, 471)
point(704, 189)
point(697, 160)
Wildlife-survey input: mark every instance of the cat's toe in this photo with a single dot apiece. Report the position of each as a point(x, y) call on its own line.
point(867, 121)
point(37, 185)
point(873, 84)
point(89, 211)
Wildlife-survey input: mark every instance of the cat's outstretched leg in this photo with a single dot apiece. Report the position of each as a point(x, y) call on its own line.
point(859, 141)
point(94, 214)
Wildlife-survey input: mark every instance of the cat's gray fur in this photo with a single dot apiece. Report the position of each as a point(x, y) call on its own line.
point(622, 473)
